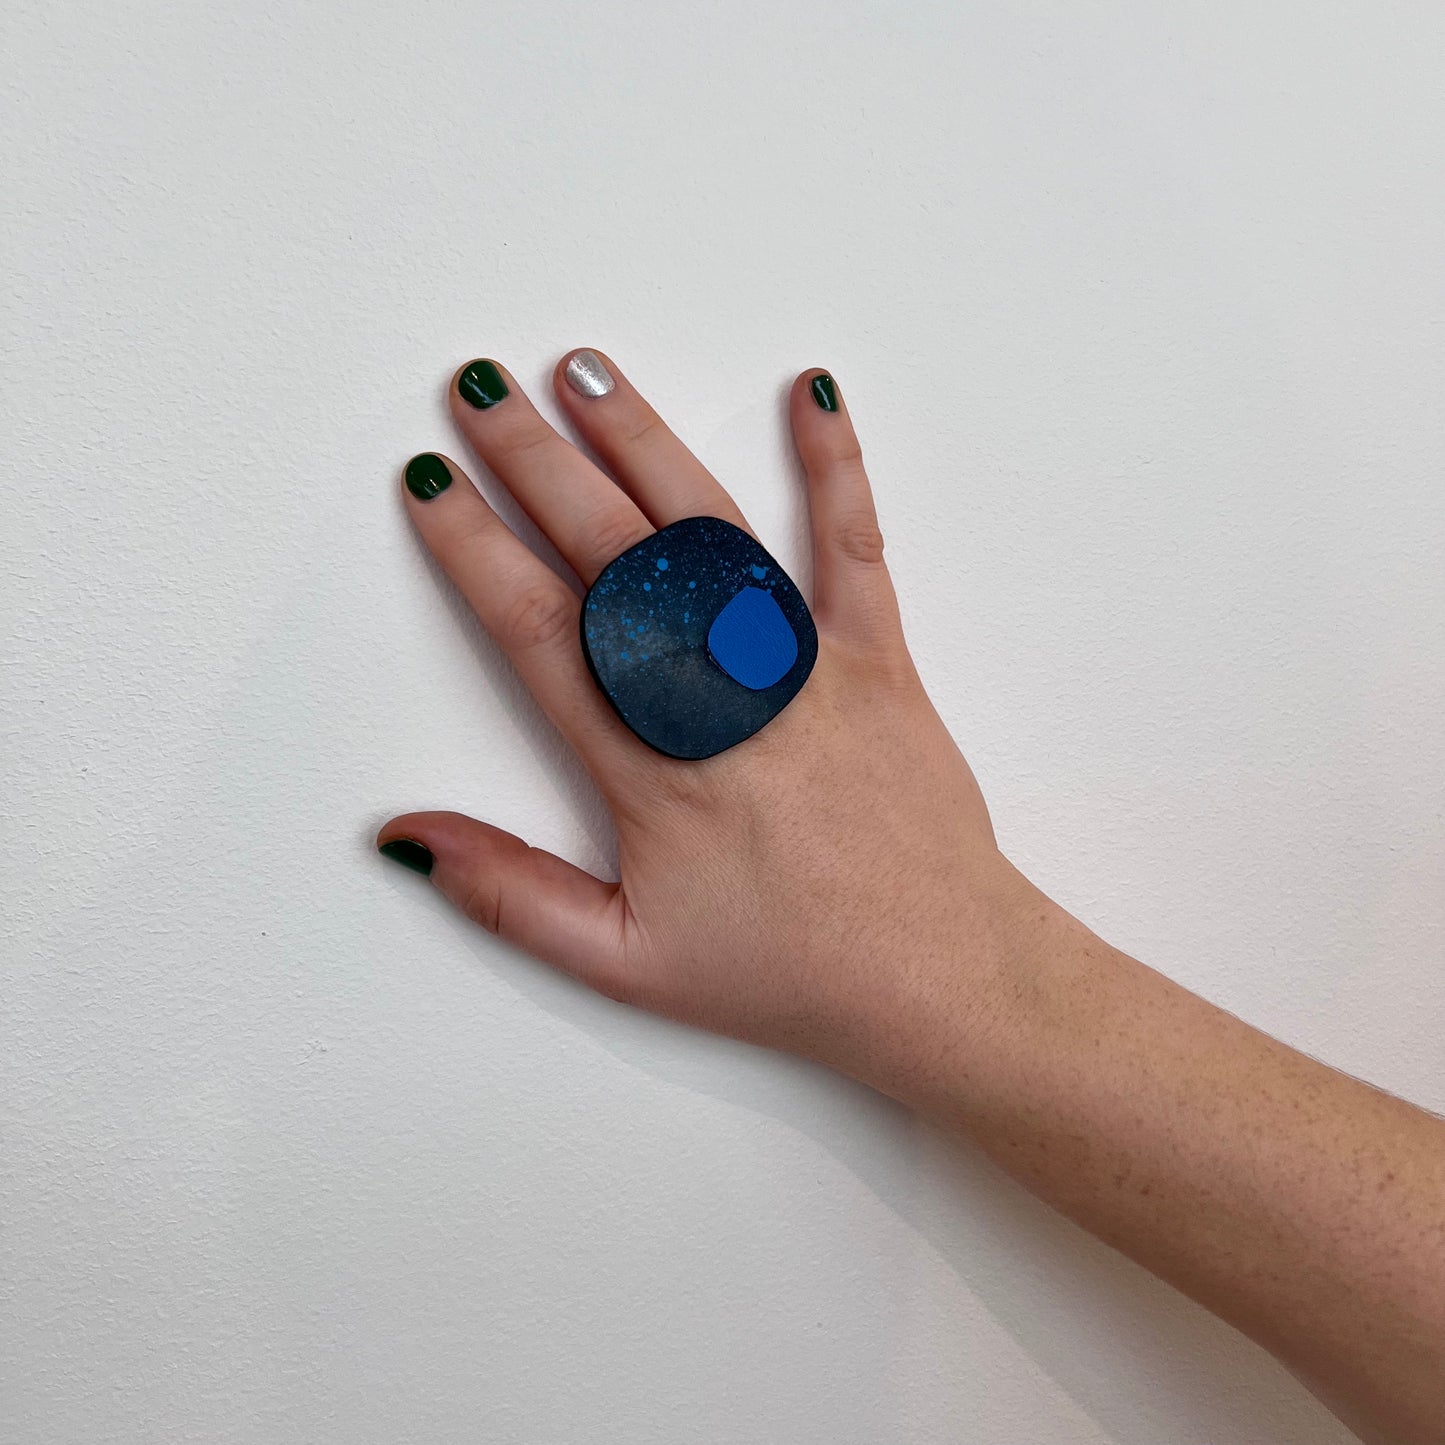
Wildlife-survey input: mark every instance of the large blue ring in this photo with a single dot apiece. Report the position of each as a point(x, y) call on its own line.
point(697, 637)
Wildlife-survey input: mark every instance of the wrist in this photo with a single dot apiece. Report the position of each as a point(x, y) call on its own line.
point(969, 1007)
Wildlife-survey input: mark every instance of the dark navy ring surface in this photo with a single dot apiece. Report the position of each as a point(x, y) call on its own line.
point(697, 637)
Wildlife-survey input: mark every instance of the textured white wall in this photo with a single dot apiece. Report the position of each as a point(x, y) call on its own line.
point(1139, 311)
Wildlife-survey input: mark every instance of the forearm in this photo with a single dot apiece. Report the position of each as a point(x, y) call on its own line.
point(1301, 1205)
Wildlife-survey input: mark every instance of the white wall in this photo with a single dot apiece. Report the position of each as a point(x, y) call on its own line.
point(1139, 310)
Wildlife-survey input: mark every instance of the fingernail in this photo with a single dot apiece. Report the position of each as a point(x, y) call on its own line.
point(481, 384)
point(824, 392)
point(426, 476)
point(408, 853)
point(587, 376)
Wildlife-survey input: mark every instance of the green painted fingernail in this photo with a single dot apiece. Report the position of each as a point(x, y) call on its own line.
point(409, 854)
point(427, 476)
point(825, 393)
point(481, 384)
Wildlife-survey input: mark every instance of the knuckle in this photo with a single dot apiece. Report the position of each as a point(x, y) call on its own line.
point(682, 785)
point(859, 539)
point(891, 668)
point(483, 903)
point(522, 443)
point(481, 524)
point(610, 533)
point(470, 539)
point(537, 615)
point(641, 430)
point(651, 791)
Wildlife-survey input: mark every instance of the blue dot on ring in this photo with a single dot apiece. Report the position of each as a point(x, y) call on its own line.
point(752, 641)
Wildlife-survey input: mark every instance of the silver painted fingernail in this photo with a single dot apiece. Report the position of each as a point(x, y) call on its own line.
point(587, 376)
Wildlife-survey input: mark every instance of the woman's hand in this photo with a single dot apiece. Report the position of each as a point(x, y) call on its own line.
point(830, 885)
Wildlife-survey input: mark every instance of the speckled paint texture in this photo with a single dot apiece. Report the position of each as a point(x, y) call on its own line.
point(656, 635)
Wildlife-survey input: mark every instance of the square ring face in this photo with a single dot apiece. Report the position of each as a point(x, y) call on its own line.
point(697, 637)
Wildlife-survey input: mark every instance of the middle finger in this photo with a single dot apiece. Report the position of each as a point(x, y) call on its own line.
point(660, 474)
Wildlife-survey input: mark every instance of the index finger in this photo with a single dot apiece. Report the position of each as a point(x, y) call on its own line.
point(521, 601)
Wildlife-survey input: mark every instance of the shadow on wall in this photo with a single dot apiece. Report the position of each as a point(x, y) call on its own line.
point(1064, 1297)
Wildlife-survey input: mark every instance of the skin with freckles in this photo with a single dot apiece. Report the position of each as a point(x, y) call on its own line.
point(832, 887)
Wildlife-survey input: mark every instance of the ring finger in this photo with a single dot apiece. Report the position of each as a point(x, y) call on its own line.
point(588, 518)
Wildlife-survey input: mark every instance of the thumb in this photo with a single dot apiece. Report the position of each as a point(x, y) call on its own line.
point(534, 899)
